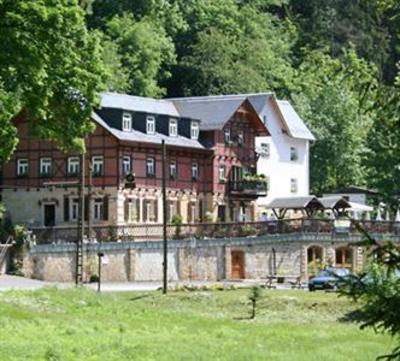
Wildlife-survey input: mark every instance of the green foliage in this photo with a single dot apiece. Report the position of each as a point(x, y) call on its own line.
point(145, 52)
point(335, 97)
point(51, 70)
point(254, 295)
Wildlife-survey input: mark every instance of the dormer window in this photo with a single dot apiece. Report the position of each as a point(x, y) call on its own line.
point(173, 127)
point(194, 130)
point(150, 125)
point(126, 122)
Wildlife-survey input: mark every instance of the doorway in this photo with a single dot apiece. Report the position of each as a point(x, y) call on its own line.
point(49, 215)
point(222, 213)
point(237, 263)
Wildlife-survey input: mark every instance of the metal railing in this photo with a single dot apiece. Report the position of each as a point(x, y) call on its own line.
point(149, 232)
point(257, 187)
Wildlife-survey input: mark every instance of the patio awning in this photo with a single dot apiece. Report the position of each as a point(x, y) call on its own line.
point(309, 205)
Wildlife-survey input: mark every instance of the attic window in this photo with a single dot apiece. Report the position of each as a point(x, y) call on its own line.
point(194, 130)
point(173, 127)
point(126, 122)
point(150, 125)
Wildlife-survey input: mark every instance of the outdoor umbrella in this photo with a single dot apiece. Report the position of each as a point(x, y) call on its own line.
point(378, 215)
point(367, 216)
point(387, 217)
point(397, 219)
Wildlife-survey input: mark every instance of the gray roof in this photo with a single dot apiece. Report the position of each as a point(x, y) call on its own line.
point(295, 202)
point(138, 104)
point(212, 112)
point(136, 136)
point(334, 202)
point(295, 125)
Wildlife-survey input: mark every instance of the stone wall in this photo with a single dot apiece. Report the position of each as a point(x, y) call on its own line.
point(189, 259)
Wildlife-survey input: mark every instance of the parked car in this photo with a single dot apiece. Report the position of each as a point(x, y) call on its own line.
point(330, 278)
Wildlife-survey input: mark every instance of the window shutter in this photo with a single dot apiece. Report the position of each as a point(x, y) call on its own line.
point(145, 210)
point(201, 210)
point(178, 207)
point(66, 209)
point(155, 208)
point(126, 210)
point(105, 208)
point(86, 210)
point(137, 209)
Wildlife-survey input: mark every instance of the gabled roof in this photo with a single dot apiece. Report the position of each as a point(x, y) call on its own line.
point(139, 104)
point(294, 124)
point(295, 203)
point(334, 202)
point(215, 111)
point(136, 136)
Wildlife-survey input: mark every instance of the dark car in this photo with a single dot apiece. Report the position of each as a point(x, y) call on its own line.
point(330, 278)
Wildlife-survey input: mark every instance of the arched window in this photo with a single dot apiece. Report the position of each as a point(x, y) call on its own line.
point(314, 259)
point(344, 257)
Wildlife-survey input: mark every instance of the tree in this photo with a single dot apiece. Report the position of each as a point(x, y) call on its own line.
point(231, 48)
point(335, 97)
point(50, 69)
point(377, 290)
point(383, 162)
point(145, 52)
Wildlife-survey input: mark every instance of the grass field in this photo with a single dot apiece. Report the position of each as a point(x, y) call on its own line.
point(78, 324)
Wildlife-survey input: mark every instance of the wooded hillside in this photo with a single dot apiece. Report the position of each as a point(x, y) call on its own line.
point(336, 60)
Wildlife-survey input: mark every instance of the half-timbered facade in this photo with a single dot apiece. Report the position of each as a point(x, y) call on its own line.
point(210, 159)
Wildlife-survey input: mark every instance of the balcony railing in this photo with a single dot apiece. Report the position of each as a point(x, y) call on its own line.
point(258, 187)
point(151, 232)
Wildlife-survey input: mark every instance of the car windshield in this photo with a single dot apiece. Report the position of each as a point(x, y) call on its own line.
point(324, 274)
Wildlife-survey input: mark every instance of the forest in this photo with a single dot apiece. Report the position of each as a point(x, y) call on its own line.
point(335, 60)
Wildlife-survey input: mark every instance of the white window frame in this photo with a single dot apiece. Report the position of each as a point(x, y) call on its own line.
point(194, 130)
point(265, 150)
point(195, 171)
point(126, 122)
point(132, 211)
point(97, 165)
point(126, 164)
point(294, 186)
point(294, 154)
point(172, 166)
point(150, 124)
point(74, 166)
point(150, 165)
point(22, 167)
point(171, 211)
point(193, 212)
point(98, 210)
point(173, 127)
point(240, 137)
point(221, 173)
point(45, 166)
point(227, 135)
point(73, 209)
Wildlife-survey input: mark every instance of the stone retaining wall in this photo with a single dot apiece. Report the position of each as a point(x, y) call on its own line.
point(188, 259)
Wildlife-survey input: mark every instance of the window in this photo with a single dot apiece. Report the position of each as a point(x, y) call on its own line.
point(265, 119)
point(150, 210)
point(222, 173)
point(293, 154)
point(126, 164)
point(194, 130)
point(265, 150)
point(97, 165)
point(227, 136)
point(45, 166)
point(240, 138)
point(133, 210)
point(74, 210)
point(173, 127)
point(126, 122)
point(150, 125)
point(293, 185)
point(195, 171)
point(150, 167)
point(172, 169)
point(98, 209)
point(73, 166)
point(22, 167)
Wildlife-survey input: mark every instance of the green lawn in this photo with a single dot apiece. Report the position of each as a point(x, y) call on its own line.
point(53, 324)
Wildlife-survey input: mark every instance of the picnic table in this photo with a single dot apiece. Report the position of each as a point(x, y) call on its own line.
point(293, 280)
